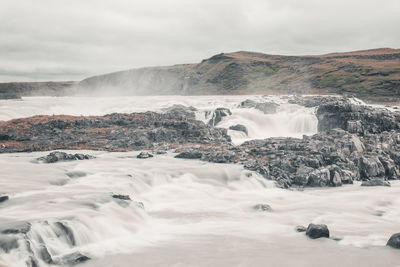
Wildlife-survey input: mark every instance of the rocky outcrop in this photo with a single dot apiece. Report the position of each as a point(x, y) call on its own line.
point(62, 156)
point(114, 132)
point(315, 231)
point(357, 119)
point(239, 127)
point(15, 90)
point(265, 107)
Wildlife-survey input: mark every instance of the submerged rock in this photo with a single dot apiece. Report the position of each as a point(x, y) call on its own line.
point(317, 231)
point(144, 155)
point(239, 127)
point(394, 241)
point(74, 258)
point(19, 227)
point(76, 174)
point(8, 243)
point(66, 231)
point(62, 156)
point(262, 207)
point(122, 197)
point(45, 255)
point(300, 229)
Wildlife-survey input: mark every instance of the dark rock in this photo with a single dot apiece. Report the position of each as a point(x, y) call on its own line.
point(265, 107)
point(181, 111)
point(19, 227)
point(45, 255)
point(74, 258)
point(320, 177)
point(262, 207)
point(62, 156)
point(122, 197)
point(302, 175)
point(144, 155)
point(189, 154)
point(239, 127)
point(3, 198)
point(370, 166)
point(32, 262)
point(394, 241)
point(217, 115)
point(375, 182)
point(300, 228)
point(317, 231)
point(66, 231)
point(8, 243)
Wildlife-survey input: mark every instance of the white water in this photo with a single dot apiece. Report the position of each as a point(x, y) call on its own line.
point(290, 120)
point(195, 213)
point(190, 206)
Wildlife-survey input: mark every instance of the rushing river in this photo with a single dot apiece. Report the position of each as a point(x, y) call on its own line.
point(188, 212)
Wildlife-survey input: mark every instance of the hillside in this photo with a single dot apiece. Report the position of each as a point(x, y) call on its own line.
point(367, 74)
point(18, 89)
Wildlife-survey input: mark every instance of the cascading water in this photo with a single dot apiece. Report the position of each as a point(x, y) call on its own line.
point(183, 212)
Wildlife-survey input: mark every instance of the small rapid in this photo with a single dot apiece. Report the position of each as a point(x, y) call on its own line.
point(185, 202)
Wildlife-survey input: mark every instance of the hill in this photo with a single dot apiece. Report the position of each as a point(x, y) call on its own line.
point(367, 74)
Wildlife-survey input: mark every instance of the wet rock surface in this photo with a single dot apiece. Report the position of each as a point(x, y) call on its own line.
point(3, 198)
point(19, 227)
point(394, 241)
point(265, 107)
point(217, 115)
point(315, 231)
point(144, 155)
point(62, 156)
point(239, 127)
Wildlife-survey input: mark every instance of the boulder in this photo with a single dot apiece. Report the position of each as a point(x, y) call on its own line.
point(320, 177)
point(189, 154)
point(302, 175)
point(370, 166)
point(3, 198)
point(144, 155)
point(317, 231)
point(239, 127)
point(394, 241)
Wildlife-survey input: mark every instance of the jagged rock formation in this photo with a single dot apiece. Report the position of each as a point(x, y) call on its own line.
point(370, 74)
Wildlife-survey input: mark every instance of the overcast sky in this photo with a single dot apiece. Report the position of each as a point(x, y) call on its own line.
point(44, 40)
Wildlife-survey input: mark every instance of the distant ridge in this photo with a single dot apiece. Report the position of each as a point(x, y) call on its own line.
point(368, 74)
point(365, 73)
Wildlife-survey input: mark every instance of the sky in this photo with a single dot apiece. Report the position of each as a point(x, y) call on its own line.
point(60, 40)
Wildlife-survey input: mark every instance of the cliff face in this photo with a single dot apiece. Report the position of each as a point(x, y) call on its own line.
point(16, 90)
point(370, 73)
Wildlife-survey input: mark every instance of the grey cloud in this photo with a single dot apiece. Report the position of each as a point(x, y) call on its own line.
point(69, 40)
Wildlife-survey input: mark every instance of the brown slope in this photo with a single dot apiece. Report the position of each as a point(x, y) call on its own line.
point(367, 73)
